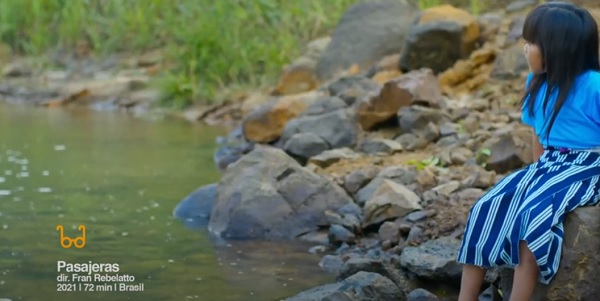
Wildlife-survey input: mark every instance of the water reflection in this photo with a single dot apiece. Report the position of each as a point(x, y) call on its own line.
point(121, 178)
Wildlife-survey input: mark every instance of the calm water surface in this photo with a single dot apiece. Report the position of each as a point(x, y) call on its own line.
point(120, 177)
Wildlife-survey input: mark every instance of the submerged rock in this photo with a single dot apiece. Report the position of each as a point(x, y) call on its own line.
point(195, 209)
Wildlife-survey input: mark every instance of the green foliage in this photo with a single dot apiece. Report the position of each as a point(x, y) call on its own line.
point(474, 6)
point(432, 161)
point(482, 155)
point(423, 4)
point(211, 44)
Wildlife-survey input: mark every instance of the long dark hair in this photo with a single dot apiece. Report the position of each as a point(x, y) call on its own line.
point(567, 37)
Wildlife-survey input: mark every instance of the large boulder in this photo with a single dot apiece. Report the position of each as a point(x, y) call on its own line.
point(267, 194)
point(440, 36)
point(415, 87)
point(577, 277)
point(367, 32)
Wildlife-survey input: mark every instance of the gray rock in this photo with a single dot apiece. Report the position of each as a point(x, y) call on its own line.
point(415, 88)
point(490, 294)
point(510, 64)
point(17, 69)
point(404, 175)
point(507, 151)
point(338, 234)
point(267, 194)
point(449, 129)
point(329, 157)
point(350, 209)
point(446, 189)
point(331, 264)
point(195, 209)
point(391, 200)
point(362, 286)
point(431, 132)
point(349, 221)
point(516, 29)
point(490, 24)
point(318, 237)
point(358, 179)
point(416, 216)
point(325, 105)
point(411, 142)
point(379, 145)
point(435, 45)
point(415, 119)
point(352, 88)
point(361, 264)
point(367, 32)
point(435, 260)
point(336, 127)
point(520, 5)
point(305, 145)
point(415, 234)
point(389, 231)
point(421, 295)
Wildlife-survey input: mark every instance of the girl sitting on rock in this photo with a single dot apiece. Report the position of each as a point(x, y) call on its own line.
point(519, 222)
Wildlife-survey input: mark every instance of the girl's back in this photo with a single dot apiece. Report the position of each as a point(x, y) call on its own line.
point(577, 125)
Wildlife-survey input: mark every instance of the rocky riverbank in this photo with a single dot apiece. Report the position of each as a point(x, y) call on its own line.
point(374, 146)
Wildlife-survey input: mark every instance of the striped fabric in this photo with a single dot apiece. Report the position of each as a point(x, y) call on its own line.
point(530, 205)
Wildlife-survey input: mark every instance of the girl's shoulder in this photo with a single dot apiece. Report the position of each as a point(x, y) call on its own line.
point(591, 79)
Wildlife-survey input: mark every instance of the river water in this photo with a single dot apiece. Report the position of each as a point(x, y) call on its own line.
point(120, 177)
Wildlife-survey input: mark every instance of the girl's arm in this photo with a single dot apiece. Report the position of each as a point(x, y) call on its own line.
point(536, 147)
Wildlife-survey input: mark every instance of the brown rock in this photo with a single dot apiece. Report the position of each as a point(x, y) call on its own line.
point(384, 76)
point(441, 35)
point(467, 75)
point(316, 47)
point(415, 87)
point(578, 275)
point(266, 123)
point(252, 101)
point(389, 63)
point(297, 78)
point(507, 151)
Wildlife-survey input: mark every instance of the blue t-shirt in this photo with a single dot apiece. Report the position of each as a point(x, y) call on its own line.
point(577, 125)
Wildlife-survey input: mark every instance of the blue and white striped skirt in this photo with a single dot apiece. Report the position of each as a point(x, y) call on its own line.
point(530, 205)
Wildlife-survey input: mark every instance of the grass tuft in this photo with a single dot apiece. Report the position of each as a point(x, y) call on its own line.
point(211, 44)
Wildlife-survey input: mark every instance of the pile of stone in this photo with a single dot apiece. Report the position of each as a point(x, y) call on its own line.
point(376, 143)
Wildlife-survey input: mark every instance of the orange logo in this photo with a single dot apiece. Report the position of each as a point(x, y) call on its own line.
point(66, 242)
